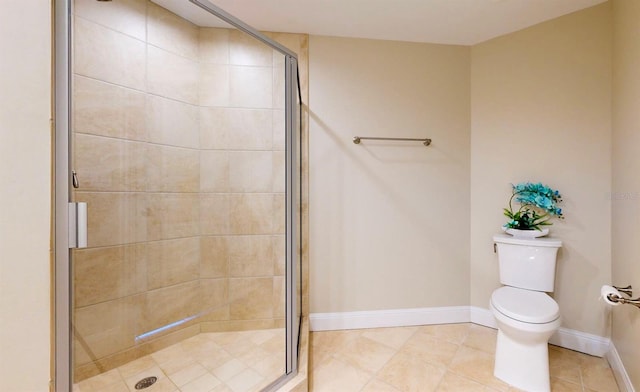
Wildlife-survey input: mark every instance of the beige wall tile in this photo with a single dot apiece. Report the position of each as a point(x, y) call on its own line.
point(170, 304)
point(105, 328)
point(251, 214)
point(172, 169)
point(125, 16)
point(214, 171)
point(172, 76)
point(240, 325)
point(107, 164)
point(173, 261)
point(250, 171)
point(172, 216)
point(279, 172)
point(107, 55)
point(214, 45)
point(214, 216)
point(236, 129)
point(170, 119)
point(114, 218)
point(279, 254)
point(251, 256)
point(279, 130)
point(279, 214)
point(279, 297)
point(278, 61)
point(246, 50)
point(171, 338)
point(172, 122)
point(103, 274)
point(214, 294)
point(250, 87)
point(213, 86)
point(250, 298)
point(214, 257)
point(278, 98)
point(216, 315)
point(105, 109)
point(171, 32)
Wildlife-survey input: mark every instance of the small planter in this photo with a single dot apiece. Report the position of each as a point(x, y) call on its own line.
point(526, 233)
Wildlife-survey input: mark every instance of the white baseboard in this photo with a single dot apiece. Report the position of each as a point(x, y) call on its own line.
point(482, 316)
point(564, 337)
point(620, 373)
point(388, 318)
point(581, 341)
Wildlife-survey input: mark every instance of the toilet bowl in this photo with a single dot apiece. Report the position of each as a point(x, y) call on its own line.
point(526, 315)
point(526, 320)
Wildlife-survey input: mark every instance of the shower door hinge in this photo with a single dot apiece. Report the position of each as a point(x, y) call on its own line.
point(77, 225)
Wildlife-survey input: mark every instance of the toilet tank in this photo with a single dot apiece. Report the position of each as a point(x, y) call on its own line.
point(527, 263)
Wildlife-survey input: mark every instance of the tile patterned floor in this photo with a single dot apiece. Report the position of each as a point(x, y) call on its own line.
point(443, 358)
point(209, 362)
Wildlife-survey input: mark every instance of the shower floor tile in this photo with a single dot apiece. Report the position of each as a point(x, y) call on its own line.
point(245, 361)
point(441, 358)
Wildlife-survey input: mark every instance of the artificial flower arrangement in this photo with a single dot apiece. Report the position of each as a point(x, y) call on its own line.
point(538, 204)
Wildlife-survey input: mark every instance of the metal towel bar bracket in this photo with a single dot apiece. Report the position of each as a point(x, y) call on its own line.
point(425, 141)
point(627, 291)
point(635, 301)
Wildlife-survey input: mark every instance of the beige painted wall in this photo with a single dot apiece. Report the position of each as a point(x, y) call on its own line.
point(388, 220)
point(626, 182)
point(25, 163)
point(541, 111)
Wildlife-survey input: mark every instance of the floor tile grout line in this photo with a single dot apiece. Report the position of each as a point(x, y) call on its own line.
point(397, 351)
point(581, 361)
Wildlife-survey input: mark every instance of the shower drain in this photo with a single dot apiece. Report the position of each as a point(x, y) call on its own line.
point(146, 382)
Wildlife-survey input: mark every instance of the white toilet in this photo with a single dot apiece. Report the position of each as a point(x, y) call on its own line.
point(526, 315)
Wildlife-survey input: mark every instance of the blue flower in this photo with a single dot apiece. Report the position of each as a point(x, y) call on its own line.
point(538, 205)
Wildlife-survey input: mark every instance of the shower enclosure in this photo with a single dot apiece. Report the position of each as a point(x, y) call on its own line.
point(177, 199)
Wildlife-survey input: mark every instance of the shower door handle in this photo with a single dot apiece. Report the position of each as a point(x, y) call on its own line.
point(77, 225)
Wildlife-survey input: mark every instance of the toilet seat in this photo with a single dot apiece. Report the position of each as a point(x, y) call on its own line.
point(527, 306)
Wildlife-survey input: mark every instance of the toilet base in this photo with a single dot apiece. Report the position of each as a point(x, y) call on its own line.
point(524, 366)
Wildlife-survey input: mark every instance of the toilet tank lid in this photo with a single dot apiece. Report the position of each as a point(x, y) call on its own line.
point(540, 241)
point(528, 306)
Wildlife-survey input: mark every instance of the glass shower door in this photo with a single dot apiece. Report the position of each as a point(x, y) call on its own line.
point(182, 146)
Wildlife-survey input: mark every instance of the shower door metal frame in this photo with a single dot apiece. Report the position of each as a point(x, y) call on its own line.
point(62, 356)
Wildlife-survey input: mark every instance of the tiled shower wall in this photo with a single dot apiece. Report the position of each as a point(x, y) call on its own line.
point(179, 149)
